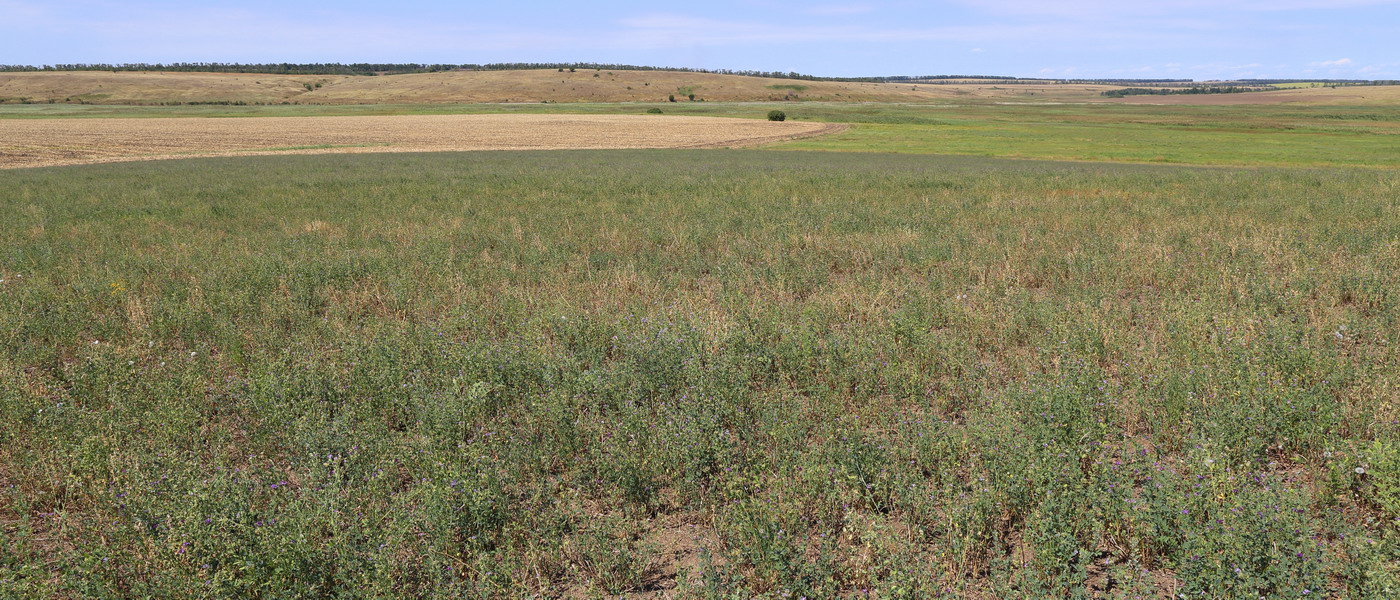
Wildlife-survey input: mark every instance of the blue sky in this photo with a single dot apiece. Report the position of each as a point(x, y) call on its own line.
point(1199, 39)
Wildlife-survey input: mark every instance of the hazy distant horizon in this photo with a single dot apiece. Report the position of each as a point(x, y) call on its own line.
point(1071, 39)
point(57, 67)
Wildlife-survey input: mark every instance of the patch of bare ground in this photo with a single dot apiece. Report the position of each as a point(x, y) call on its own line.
point(679, 543)
point(50, 142)
point(675, 543)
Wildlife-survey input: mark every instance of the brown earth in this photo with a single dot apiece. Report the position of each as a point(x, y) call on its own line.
point(47, 142)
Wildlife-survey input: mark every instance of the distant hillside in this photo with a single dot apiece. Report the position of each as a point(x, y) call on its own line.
point(399, 68)
point(537, 85)
point(106, 87)
point(597, 85)
point(552, 85)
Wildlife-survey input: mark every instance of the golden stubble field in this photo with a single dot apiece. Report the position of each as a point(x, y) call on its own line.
point(49, 142)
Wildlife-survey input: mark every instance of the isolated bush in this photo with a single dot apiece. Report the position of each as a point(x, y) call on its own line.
point(671, 98)
point(653, 111)
point(1384, 471)
point(777, 115)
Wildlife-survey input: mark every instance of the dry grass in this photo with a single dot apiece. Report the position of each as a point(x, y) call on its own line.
point(655, 86)
point(497, 86)
point(102, 87)
point(549, 85)
point(1386, 94)
point(47, 142)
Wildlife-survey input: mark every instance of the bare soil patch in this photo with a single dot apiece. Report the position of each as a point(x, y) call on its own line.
point(48, 142)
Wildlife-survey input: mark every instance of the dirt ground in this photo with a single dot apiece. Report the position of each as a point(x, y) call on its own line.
point(48, 142)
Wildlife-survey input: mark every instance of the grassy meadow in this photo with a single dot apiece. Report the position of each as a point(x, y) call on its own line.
point(706, 374)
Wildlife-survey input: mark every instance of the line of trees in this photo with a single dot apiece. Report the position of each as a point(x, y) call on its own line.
point(270, 68)
point(400, 68)
point(1212, 89)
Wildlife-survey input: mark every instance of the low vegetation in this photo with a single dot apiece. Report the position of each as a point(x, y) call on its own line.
point(760, 375)
point(1188, 90)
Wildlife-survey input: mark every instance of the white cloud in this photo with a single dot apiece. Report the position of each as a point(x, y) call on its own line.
point(1341, 62)
point(1383, 70)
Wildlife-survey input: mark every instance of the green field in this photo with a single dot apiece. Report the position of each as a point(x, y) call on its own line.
point(702, 374)
point(1257, 135)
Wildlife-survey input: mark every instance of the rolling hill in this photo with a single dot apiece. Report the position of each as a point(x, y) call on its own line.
point(542, 85)
point(586, 85)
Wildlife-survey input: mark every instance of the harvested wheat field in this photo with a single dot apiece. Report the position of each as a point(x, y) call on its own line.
point(49, 142)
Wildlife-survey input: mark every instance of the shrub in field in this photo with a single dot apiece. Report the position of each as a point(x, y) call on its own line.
point(1247, 536)
point(653, 111)
point(777, 115)
point(1384, 459)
